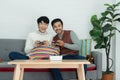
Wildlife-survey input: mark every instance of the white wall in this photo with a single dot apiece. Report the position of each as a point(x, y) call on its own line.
point(18, 17)
point(117, 53)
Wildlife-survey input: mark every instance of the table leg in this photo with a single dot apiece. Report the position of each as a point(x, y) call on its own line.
point(80, 72)
point(21, 73)
point(17, 72)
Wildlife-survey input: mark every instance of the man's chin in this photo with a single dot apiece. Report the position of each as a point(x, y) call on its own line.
point(58, 33)
point(42, 31)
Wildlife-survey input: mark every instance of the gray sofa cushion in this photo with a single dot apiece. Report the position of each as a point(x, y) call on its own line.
point(5, 65)
point(8, 45)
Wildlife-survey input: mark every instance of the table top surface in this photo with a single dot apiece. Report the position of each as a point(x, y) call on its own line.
point(49, 62)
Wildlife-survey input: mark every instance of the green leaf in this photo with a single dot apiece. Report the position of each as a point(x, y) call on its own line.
point(104, 14)
point(117, 4)
point(118, 19)
point(105, 40)
point(114, 28)
point(111, 13)
point(102, 19)
point(110, 8)
point(99, 46)
point(112, 34)
point(95, 33)
point(106, 28)
point(118, 14)
point(95, 22)
point(109, 20)
point(107, 5)
point(114, 5)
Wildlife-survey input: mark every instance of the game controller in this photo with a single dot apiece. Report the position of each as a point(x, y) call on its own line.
point(56, 43)
point(42, 43)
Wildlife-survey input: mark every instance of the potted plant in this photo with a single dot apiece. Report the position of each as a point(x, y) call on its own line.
point(103, 31)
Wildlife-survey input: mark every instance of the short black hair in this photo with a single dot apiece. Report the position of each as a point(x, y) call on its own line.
point(44, 19)
point(56, 20)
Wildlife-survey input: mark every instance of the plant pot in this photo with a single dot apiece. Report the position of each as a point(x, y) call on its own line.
point(108, 76)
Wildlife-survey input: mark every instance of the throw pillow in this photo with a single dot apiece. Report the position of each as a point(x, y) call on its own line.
point(43, 52)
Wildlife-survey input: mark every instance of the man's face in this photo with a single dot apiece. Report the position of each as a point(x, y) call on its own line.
point(58, 27)
point(42, 27)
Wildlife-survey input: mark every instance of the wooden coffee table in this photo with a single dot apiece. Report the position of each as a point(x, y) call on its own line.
point(21, 64)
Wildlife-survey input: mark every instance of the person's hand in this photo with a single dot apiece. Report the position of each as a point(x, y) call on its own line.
point(60, 43)
point(37, 43)
point(46, 43)
point(54, 44)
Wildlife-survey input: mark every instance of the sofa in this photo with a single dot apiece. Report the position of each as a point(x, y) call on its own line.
point(94, 70)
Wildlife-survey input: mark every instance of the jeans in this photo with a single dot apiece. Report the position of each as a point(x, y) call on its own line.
point(56, 72)
point(17, 55)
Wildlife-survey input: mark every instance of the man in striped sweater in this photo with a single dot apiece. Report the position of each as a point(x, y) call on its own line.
point(34, 39)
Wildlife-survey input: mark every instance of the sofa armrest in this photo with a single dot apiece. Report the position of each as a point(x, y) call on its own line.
point(98, 62)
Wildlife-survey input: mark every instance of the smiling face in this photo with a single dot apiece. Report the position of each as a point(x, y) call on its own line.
point(42, 26)
point(58, 27)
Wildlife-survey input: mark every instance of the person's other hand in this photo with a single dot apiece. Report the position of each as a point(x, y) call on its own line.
point(60, 43)
point(46, 43)
point(54, 44)
point(37, 43)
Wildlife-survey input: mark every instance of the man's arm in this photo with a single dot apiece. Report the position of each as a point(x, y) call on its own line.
point(29, 44)
point(75, 40)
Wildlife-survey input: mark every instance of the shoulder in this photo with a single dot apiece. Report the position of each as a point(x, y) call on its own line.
point(69, 31)
point(72, 32)
point(32, 33)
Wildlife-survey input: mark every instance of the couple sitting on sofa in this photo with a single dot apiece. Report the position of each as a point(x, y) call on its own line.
point(66, 40)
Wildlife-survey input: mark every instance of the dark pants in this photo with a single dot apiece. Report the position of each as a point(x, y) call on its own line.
point(55, 72)
point(17, 55)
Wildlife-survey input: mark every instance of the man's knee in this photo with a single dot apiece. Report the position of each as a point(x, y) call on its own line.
point(12, 55)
